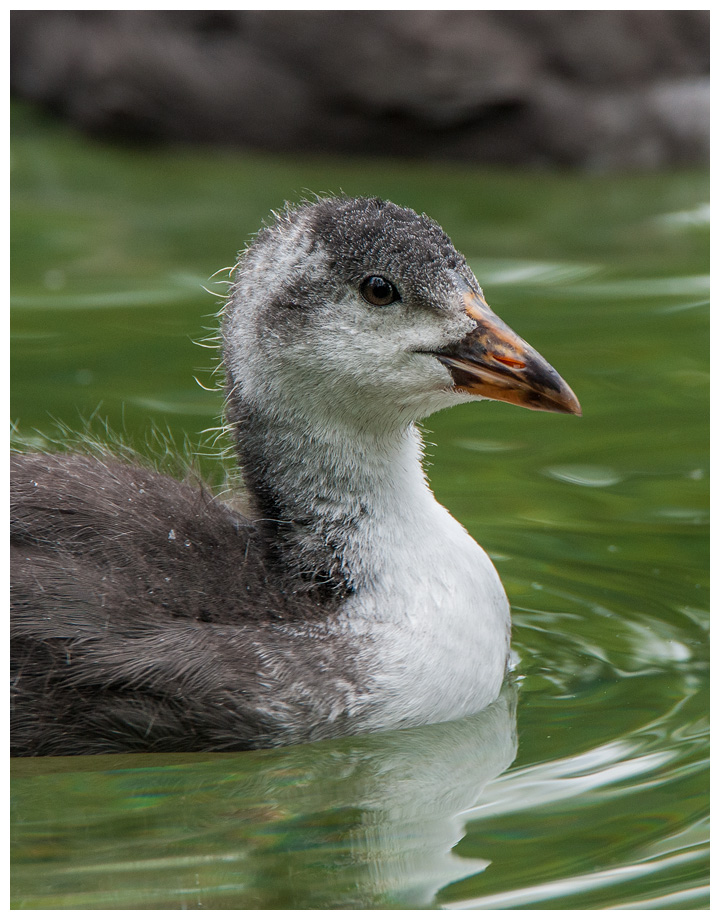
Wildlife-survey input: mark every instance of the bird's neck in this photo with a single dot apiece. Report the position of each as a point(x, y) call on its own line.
point(349, 518)
point(327, 502)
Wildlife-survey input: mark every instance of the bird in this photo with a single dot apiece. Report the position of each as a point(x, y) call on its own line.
point(151, 615)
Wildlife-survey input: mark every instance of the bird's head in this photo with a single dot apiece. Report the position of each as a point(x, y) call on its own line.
point(360, 312)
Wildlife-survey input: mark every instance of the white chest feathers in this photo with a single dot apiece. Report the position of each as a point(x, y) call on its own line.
point(435, 618)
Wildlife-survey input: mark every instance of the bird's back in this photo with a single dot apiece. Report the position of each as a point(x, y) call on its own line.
point(143, 613)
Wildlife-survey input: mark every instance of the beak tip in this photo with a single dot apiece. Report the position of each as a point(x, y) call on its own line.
point(574, 406)
point(570, 404)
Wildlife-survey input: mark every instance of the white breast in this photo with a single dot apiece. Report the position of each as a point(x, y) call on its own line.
point(435, 619)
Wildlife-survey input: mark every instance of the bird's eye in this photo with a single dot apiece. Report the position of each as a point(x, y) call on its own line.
point(378, 291)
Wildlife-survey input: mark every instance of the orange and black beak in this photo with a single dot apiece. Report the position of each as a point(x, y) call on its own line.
point(492, 361)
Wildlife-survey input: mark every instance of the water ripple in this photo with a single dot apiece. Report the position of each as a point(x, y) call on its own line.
point(575, 885)
point(595, 477)
point(102, 300)
point(511, 271)
point(641, 288)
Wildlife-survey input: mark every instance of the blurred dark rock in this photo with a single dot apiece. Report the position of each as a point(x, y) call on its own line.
point(600, 89)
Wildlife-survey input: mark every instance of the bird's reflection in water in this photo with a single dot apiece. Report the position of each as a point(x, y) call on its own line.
point(360, 822)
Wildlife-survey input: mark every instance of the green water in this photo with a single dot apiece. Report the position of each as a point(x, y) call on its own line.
point(589, 790)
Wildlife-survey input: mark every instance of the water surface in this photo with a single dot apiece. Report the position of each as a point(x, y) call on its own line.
point(585, 785)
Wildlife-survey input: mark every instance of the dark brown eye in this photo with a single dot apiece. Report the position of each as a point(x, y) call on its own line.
point(378, 291)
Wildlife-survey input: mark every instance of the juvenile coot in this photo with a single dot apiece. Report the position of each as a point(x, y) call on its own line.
point(149, 615)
